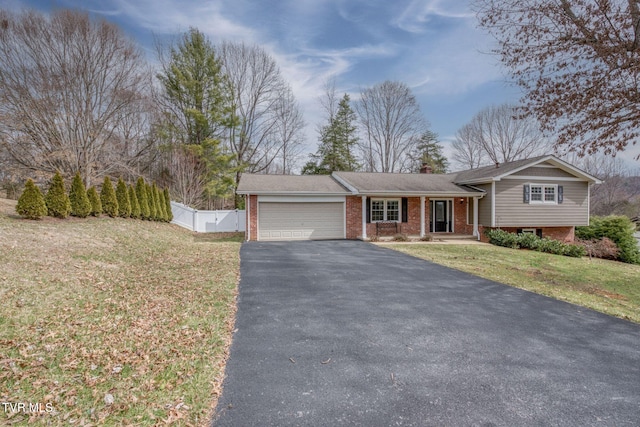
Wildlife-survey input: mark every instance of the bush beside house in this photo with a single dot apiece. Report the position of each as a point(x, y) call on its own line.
point(618, 229)
point(531, 241)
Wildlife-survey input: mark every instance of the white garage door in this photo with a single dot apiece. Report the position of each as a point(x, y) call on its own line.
point(300, 221)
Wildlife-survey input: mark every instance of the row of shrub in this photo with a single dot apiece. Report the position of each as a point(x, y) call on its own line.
point(619, 230)
point(531, 241)
point(144, 201)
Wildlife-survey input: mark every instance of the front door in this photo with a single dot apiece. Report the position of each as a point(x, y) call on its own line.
point(440, 216)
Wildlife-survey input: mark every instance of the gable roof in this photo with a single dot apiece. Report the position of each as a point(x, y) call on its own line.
point(289, 184)
point(496, 173)
point(401, 184)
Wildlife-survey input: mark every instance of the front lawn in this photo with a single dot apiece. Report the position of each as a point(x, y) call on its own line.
point(607, 286)
point(112, 321)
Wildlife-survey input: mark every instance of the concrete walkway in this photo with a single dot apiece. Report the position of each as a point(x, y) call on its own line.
point(348, 333)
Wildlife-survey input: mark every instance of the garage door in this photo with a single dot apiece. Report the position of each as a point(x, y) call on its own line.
point(300, 221)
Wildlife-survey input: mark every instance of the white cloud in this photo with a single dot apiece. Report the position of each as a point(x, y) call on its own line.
point(414, 17)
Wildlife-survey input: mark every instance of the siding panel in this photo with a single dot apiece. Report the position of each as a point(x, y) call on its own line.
point(549, 172)
point(484, 206)
point(512, 212)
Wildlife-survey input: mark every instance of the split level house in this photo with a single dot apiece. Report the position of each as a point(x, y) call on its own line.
point(542, 195)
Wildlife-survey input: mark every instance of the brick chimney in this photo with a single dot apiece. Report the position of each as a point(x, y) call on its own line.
point(426, 168)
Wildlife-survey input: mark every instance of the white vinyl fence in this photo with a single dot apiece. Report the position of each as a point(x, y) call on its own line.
point(208, 221)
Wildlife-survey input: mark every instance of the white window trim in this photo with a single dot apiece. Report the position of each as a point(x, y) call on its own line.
point(378, 199)
point(543, 201)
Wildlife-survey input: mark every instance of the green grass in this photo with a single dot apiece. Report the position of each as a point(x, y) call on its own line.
point(98, 307)
point(606, 286)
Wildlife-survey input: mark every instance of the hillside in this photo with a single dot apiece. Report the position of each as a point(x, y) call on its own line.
point(112, 320)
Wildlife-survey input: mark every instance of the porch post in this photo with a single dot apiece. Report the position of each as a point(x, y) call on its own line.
point(475, 217)
point(364, 217)
point(422, 199)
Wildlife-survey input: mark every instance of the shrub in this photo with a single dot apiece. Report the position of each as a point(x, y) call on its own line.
point(108, 198)
point(533, 242)
point(604, 248)
point(31, 203)
point(124, 206)
point(58, 204)
point(94, 199)
point(619, 229)
point(159, 199)
point(167, 200)
point(427, 238)
point(143, 199)
point(400, 237)
point(502, 238)
point(374, 238)
point(80, 204)
point(133, 200)
point(528, 241)
point(153, 211)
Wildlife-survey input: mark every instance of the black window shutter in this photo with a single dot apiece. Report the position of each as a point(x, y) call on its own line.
point(560, 193)
point(404, 209)
point(525, 193)
point(368, 210)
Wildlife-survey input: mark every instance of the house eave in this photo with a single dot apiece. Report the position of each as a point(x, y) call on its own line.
point(290, 193)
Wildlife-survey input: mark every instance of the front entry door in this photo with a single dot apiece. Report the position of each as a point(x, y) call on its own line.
point(441, 217)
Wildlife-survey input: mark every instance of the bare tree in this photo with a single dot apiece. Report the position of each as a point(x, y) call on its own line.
point(466, 153)
point(289, 130)
point(392, 124)
point(610, 197)
point(577, 62)
point(73, 94)
point(257, 86)
point(502, 135)
point(188, 173)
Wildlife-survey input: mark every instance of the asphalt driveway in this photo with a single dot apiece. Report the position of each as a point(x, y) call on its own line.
point(347, 333)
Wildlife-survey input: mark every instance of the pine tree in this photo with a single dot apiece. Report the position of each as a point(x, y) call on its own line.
point(133, 200)
point(58, 204)
point(167, 200)
point(108, 198)
point(31, 203)
point(429, 152)
point(80, 204)
point(153, 211)
point(337, 142)
point(143, 199)
point(124, 206)
point(94, 199)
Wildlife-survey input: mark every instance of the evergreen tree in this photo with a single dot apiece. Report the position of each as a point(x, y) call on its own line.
point(153, 206)
point(108, 198)
point(337, 141)
point(31, 203)
point(124, 206)
point(80, 204)
point(133, 200)
point(429, 152)
point(196, 92)
point(58, 204)
point(167, 200)
point(94, 199)
point(159, 195)
point(143, 199)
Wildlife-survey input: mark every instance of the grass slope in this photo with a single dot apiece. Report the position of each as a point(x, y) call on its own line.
point(113, 321)
point(606, 286)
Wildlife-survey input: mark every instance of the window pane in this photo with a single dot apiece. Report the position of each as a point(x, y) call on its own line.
point(393, 210)
point(377, 210)
point(536, 193)
point(549, 194)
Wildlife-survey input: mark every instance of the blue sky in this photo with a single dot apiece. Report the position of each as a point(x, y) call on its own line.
point(431, 45)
